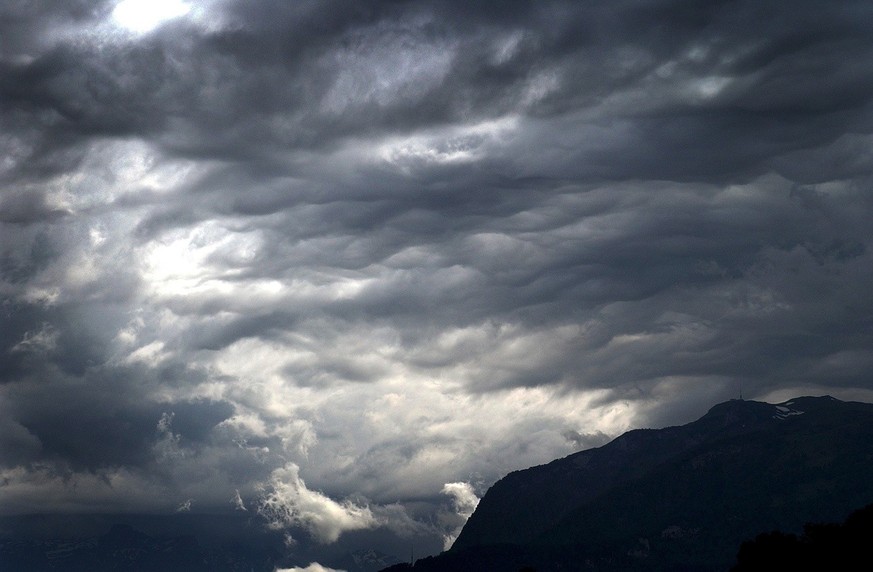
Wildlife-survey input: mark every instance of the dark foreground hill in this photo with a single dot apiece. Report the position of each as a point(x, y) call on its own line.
point(679, 498)
point(822, 546)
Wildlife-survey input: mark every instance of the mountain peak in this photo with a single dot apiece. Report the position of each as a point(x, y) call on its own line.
point(691, 492)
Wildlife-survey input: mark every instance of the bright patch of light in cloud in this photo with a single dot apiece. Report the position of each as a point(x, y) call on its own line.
point(464, 501)
point(464, 144)
point(289, 503)
point(143, 16)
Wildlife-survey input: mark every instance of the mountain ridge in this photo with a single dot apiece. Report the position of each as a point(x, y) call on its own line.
point(681, 497)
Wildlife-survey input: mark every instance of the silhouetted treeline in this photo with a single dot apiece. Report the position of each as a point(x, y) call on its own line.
point(842, 547)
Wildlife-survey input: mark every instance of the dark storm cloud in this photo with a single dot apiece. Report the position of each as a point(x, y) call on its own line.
point(669, 247)
point(248, 91)
point(25, 24)
point(701, 92)
point(27, 208)
point(108, 425)
point(86, 412)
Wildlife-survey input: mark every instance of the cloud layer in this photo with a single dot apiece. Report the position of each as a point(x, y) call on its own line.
point(381, 248)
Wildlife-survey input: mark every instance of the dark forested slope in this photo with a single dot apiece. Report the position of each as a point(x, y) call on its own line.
point(676, 498)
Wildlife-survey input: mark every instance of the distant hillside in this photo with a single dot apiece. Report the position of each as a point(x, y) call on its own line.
point(230, 542)
point(679, 498)
point(364, 560)
point(124, 547)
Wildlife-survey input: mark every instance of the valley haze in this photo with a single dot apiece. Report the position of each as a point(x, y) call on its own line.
point(318, 274)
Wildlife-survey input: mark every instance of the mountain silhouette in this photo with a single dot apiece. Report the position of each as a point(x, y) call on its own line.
point(678, 498)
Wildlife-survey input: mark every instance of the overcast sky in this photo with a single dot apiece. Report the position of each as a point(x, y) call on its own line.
point(348, 263)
